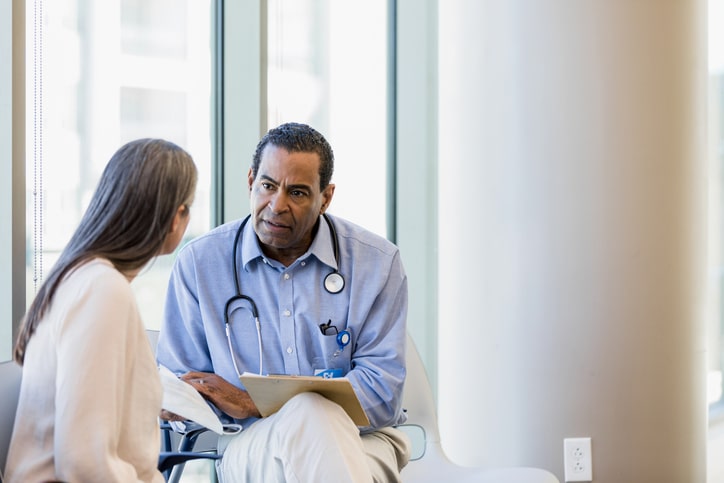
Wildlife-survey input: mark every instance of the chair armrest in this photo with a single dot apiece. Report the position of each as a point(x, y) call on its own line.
point(169, 459)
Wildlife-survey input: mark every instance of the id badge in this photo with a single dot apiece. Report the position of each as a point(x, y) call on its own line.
point(328, 373)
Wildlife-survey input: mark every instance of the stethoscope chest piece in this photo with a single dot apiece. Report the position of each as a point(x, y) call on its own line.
point(334, 282)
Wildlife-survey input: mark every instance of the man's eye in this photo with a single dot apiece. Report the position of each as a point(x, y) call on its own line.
point(267, 186)
point(298, 193)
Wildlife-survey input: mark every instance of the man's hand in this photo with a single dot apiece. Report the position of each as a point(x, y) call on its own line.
point(169, 416)
point(224, 395)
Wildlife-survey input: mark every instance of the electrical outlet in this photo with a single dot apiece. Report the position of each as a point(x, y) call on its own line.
point(577, 459)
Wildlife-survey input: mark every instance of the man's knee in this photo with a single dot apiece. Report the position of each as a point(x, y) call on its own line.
point(310, 405)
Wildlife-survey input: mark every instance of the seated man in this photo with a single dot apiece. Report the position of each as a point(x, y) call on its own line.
point(291, 290)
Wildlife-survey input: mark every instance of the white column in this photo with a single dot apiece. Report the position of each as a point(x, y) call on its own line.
point(572, 239)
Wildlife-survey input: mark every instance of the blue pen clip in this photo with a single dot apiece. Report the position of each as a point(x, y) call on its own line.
point(343, 339)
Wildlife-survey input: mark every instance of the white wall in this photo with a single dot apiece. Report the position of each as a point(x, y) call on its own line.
point(571, 234)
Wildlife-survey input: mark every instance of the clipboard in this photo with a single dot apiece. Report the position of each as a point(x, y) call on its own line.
point(269, 393)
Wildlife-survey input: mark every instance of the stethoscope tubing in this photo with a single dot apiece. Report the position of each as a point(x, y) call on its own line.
point(333, 283)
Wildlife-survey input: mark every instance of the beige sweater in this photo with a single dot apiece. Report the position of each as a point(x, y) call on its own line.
point(90, 394)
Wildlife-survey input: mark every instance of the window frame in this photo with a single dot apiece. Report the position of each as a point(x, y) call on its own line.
point(12, 170)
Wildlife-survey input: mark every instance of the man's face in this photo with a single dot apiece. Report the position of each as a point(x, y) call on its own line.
point(286, 201)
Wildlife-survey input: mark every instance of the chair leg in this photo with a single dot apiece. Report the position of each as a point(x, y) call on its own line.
point(188, 440)
point(176, 473)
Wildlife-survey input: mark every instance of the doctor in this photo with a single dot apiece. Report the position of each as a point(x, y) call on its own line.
point(301, 293)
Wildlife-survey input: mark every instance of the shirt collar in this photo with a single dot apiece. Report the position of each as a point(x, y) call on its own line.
point(322, 246)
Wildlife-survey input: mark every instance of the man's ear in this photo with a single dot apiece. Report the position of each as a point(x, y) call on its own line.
point(250, 179)
point(327, 196)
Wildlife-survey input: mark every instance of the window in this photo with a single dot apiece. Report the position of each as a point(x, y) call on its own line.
point(109, 74)
point(98, 77)
point(327, 67)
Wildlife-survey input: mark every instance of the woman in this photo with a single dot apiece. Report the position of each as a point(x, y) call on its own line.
point(91, 394)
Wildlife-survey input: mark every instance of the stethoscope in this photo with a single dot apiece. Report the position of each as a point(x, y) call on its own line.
point(333, 283)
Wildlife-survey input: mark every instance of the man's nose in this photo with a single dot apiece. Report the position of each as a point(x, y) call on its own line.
point(279, 202)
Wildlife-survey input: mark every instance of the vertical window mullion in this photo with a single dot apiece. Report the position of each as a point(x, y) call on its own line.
point(12, 172)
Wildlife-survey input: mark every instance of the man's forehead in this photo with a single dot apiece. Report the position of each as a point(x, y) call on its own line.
point(276, 148)
point(297, 167)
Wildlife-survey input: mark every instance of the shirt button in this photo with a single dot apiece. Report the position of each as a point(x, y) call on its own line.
point(289, 350)
point(287, 313)
point(286, 276)
point(304, 264)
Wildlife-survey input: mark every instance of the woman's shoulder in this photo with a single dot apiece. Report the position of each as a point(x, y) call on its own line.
point(97, 274)
point(94, 295)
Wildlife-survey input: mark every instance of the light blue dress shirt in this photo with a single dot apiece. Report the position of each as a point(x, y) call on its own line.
point(292, 303)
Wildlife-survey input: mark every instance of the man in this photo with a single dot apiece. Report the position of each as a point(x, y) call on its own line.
point(301, 293)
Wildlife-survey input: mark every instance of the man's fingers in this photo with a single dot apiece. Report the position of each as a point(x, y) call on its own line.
point(169, 416)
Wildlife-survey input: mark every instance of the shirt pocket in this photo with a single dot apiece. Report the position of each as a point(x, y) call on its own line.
point(336, 356)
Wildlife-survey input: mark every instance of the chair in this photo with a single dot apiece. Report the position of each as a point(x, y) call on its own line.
point(196, 443)
point(429, 462)
point(10, 374)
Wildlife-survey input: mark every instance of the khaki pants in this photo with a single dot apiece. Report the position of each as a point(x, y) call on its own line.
point(310, 440)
